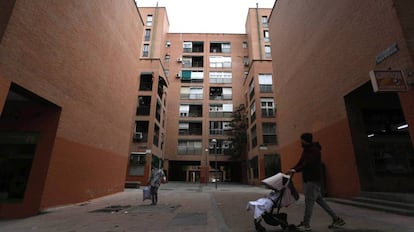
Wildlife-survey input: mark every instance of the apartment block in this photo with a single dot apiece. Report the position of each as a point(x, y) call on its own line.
point(95, 94)
point(345, 72)
point(68, 86)
point(215, 84)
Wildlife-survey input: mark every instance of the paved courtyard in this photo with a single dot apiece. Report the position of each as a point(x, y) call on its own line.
point(193, 207)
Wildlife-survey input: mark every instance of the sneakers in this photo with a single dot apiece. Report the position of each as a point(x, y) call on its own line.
point(303, 227)
point(337, 222)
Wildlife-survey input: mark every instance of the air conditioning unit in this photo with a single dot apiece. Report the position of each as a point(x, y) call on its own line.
point(226, 144)
point(227, 126)
point(179, 60)
point(138, 135)
point(178, 76)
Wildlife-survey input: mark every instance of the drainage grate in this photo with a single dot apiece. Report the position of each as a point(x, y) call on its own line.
point(110, 209)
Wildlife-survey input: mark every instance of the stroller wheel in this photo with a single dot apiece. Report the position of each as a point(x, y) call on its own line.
point(258, 226)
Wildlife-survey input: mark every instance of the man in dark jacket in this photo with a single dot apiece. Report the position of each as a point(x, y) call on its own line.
point(310, 165)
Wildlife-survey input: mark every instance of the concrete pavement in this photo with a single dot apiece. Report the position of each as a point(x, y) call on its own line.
point(193, 207)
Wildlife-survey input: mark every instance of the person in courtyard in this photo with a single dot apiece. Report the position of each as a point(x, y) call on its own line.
point(310, 165)
point(155, 180)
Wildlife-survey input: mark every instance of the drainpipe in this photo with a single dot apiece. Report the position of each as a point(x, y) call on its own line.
point(258, 31)
point(154, 30)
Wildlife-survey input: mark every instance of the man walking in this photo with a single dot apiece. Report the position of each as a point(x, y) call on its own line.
point(155, 181)
point(310, 165)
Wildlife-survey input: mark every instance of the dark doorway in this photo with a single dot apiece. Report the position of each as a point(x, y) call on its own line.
point(28, 125)
point(382, 144)
point(179, 170)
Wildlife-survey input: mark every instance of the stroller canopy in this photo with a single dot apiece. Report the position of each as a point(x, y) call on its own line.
point(277, 182)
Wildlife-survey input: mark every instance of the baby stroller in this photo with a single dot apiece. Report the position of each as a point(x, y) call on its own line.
point(283, 194)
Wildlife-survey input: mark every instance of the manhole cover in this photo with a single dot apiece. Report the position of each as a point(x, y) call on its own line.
point(112, 208)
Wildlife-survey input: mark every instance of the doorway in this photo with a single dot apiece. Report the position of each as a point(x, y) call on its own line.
point(28, 126)
point(382, 144)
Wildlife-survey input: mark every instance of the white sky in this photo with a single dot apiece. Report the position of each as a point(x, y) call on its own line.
point(207, 16)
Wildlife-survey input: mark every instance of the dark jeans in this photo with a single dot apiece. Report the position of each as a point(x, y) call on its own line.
point(313, 194)
point(154, 194)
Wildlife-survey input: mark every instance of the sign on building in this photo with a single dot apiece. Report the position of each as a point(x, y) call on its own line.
point(388, 81)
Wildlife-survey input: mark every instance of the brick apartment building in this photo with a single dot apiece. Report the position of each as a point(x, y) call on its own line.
point(68, 81)
point(323, 52)
point(96, 92)
point(209, 76)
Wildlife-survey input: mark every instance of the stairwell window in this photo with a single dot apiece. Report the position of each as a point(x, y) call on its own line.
point(147, 35)
point(266, 36)
point(269, 133)
point(149, 21)
point(268, 52)
point(264, 21)
point(145, 50)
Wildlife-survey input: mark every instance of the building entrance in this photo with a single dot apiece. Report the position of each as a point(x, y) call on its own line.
point(28, 126)
point(382, 144)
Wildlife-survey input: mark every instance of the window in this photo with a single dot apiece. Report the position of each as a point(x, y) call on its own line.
point(190, 128)
point(226, 48)
point(246, 61)
point(156, 137)
point(267, 107)
point(137, 164)
point(192, 76)
point(191, 93)
point(266, 36)
point(220, 128)
point(145, 50)
point(144, 105)
point(158, 111)
point(244, 44)
point(187, 47)
point(268, 52)
point(192, 62)
point(147, 35)
point(221, 110)
point(193, 47)
point(265, 83)
point(189, 147)
point(253, 112)
point(145, 82)
point(264, 21)
point(251, 90)
point(220, 93)
point(269, 133)
point(149, 21)
point(254, 166)
point(141, 131)
point(217, 47)
point(216, 128)
point(253, 136)
point(220, 62)
point(191, 110)
point(220, 77)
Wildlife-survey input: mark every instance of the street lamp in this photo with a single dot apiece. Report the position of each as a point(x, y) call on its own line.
point(214, 141)
point(207, 168)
